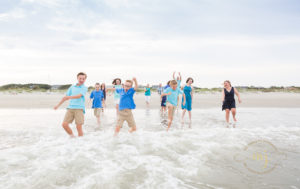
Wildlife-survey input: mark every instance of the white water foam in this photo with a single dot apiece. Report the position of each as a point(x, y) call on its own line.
point(35, 152)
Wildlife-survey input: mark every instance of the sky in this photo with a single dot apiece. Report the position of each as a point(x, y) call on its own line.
point(249, 42)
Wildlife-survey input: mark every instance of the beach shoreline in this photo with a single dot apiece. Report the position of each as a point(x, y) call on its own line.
point(202, 100)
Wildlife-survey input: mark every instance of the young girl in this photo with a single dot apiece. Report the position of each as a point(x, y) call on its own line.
point(229, 101)
point(117, 85)
point(103, 89)
point(147, 94)
point(188, 91)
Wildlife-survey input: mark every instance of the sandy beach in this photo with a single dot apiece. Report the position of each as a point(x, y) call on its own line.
point(213, 100)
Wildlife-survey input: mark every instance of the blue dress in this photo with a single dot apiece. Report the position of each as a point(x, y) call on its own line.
point(188, 98)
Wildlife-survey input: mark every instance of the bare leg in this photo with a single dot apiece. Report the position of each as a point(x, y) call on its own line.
point(79, 130)
point(227, 115)
point(183, 112)
point(65, 125)
point(117, 109)
point(132, 129)
point(117, 130)
point(190, 115)
point(98, 120)
point(170, 116)
point(233, 111)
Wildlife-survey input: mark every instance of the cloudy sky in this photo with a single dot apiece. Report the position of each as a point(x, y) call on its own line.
point(250, 42)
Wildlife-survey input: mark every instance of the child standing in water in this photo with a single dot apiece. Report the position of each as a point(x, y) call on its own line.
point(229, 101)
point(117, 85)
point(147, 94)
point(188, 91)
point(98, 98)
point(76, 109)
point(172, 94)
point(126, 105)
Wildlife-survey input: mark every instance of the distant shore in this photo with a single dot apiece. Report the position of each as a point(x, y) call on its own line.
point(201, 100)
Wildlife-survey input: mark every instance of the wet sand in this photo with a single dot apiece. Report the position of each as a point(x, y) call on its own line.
point(212, 100)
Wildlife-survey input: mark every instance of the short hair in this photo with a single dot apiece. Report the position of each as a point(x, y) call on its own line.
point(189, 79)
point(173, 82)
point(97, 84)
point(129, 81)
point(82, 73)
point(115, 81)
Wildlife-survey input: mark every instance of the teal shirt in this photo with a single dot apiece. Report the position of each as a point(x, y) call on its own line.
point(117, 95)
point(148, 92)
point(78, 103)
point(172, 98)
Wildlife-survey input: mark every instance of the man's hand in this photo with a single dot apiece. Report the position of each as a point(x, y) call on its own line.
point(183, 103)
point(134, 79)
point(56, 107)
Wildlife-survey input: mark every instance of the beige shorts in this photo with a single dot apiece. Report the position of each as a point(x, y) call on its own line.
point(126, 115)
point(97, 112)
point(76, 114)
point(168, 104)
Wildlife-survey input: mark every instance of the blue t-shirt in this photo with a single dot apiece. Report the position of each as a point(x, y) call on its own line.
point(78, 103)
point(148, 92)
point(126, 99)
point(97, 97)
point(172, 98)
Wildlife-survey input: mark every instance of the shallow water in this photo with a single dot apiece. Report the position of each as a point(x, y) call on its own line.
point(35, 152)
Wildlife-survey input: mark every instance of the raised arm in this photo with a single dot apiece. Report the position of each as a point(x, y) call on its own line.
point(174, 75)
point(238, 95)
point(179, 76)
point(135, 84)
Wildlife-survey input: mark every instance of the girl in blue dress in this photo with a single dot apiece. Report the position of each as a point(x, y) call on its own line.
point(188, 91)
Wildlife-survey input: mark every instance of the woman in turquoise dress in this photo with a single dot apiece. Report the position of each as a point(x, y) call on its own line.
point(188, 91)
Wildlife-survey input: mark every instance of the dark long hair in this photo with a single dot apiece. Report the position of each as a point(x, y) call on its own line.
point(115, 81)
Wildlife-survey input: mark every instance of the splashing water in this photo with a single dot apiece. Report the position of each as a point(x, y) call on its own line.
point(35, 152)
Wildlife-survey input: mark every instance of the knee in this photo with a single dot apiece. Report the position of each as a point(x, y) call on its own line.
point(65, 125)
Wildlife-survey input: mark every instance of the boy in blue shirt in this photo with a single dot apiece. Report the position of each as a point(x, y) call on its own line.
point(76, 109)
point(126, 105)
point(98, 98)
point(172, 94)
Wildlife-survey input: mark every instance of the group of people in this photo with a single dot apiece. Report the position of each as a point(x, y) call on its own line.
point(124, 101)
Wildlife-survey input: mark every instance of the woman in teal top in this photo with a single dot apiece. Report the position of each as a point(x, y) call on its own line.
point(188, 91)
point(147, 94)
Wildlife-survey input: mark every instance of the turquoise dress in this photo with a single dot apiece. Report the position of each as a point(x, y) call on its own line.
point(188, 98)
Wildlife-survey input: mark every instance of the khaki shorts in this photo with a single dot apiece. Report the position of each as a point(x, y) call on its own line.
point(76, 114)
point(126, 115)
point(168, 104)
point(97, 112)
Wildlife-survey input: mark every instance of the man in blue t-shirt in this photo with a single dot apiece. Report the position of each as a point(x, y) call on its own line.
point(172, 94)
point(126, 105)
point(98, 97)
point(76, 109)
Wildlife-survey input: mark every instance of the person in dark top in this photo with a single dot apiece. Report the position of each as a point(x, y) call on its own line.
point(103, 89)
point(229, 101)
